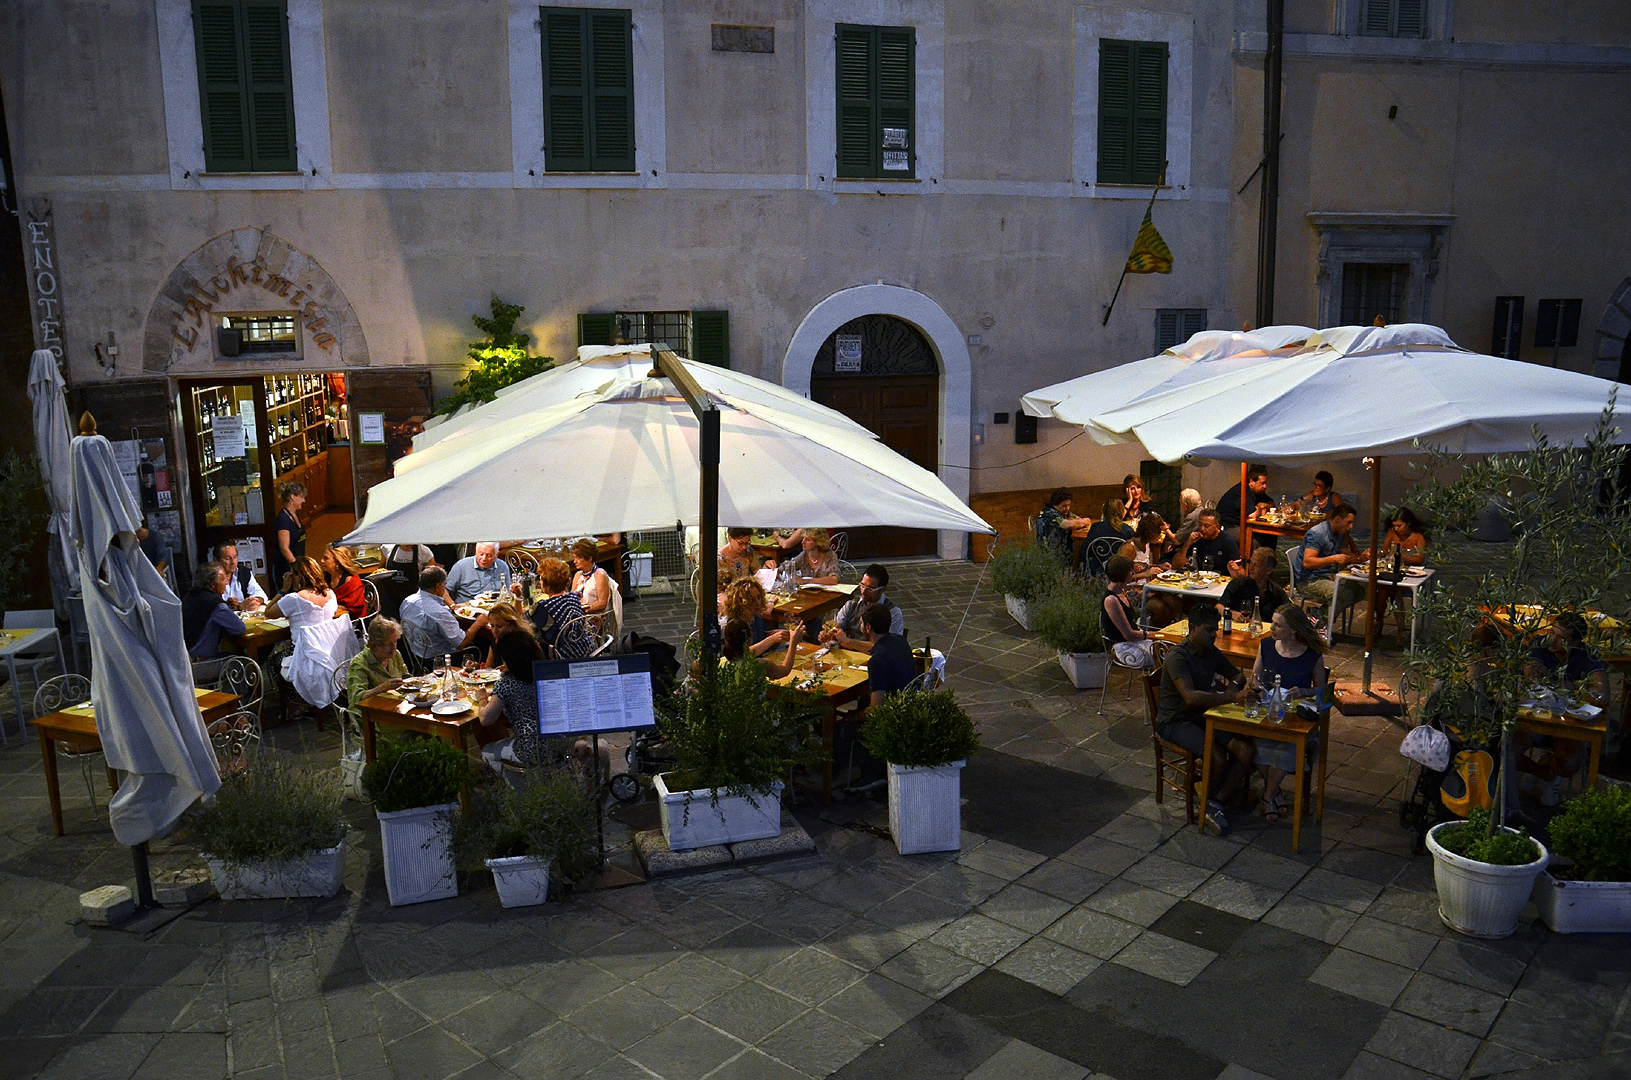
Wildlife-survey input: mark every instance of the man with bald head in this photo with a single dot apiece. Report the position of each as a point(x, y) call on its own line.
point(479, 573)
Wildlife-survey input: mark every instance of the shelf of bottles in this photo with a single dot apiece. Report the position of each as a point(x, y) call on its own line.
point(297, 419)
point(231, 481)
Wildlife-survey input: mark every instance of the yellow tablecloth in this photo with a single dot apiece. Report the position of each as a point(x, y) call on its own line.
point(86, 710)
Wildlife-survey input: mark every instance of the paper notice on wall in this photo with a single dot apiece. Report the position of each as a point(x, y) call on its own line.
point(895, 161)
point(229, 436)
point(371, 428)
point(846, 352)
point(126, 453)
point(246, 414)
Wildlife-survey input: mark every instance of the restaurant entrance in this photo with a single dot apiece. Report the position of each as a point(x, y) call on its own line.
point(246, 436)
point(881, 372)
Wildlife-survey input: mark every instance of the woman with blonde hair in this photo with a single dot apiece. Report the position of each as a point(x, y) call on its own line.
point(816, 564)
point(502, 617)
point(745, 601)
point(1295, 652)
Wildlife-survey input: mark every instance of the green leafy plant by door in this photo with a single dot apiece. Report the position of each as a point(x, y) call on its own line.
point(500, 360)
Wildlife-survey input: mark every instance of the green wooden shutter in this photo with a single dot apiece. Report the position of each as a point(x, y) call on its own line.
point(566, 90)
point(223, 103)
point(1149, 92)
point(611, 84)
point(271, 90)
point(596, 328)
point(1191, 322)
point(857, 102)
point(711, 337)
point(1115, 112)
point(1410, 18)
point(897, 87)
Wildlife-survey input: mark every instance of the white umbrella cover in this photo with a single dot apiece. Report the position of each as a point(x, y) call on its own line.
point(142, 687)
point(625, 458)
point(51, 435)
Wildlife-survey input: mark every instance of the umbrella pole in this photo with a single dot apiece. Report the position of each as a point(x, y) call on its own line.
point(144, 877)
point(708, 492)
point(1243, 552)
point(1375, 542)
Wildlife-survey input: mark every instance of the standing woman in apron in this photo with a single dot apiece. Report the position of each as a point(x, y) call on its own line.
point(289, 535)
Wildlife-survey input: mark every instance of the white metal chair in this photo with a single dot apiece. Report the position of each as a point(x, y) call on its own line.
point(1134, 672)
point(64, 692)
point(840, 545)
point(848, 573)
point(521, 561)
point(585, 637)
point(242, 677)
point(231, 736)
point(370, 593)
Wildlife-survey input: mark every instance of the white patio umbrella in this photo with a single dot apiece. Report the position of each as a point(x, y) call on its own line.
point(141, 686)
point(51, 435)
point(625, 457)
point(597, 365)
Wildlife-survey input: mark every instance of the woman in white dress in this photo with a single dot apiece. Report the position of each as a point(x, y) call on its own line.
point(322, 641)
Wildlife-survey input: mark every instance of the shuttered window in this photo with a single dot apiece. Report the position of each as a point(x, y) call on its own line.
point(703, 336)
point(1132, 111)
point(876, 92)
point(1174, 326)
point(588, 90)
point(246, 97)
point(1393, 18)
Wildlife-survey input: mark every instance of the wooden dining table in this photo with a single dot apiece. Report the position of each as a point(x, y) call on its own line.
point(1239, 645)
point(263, 636)
point(843, 681)
point(1260, 524)
point(77, 727)
point(1294, 730)
point(807, 605)
point(393, 710)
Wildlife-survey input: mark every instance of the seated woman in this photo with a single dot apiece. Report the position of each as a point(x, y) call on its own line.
point(345, 578)
point(745, 600)
point(1153, 546)
point(816, 564)
point(1131, 644)
point(1406, 535)
point(1112, 524)
point(1322, 498)
point(1295, 652)
point(593, 584)
point(1133, 497)
point(789, 542)
point(734, 646)
point(1584, 678)
point(559, 615)
point(514, 699)
point(503, 617)
point(379, 667)
point(322, 635)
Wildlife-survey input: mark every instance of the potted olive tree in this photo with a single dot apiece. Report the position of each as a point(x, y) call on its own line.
point(273, 831)
point(1024, 572)
point(522, 834)
point(926, 738)
point(1587, 888)
point(734, 738)
point(413, 784)
point(1486, 633)
point(1068, 620)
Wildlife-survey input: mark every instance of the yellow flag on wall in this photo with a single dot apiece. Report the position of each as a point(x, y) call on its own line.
point(1150, 254)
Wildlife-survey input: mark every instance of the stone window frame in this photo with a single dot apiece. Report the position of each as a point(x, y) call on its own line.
point(1415, 240)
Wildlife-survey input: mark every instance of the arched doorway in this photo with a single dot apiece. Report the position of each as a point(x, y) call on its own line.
point(881, 372)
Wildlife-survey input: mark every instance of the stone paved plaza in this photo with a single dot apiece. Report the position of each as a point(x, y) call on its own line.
point(1081, 931)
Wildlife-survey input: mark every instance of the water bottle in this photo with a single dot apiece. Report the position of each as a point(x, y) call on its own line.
point(1255, 627)
point(1277, 703)
point(447, 676)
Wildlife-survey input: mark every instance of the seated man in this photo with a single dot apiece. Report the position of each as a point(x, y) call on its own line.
point(1585, 678)
point(850, 633)
point(206, 619)
point(243, 593)
point(1257, 497)
point(1256, 588)
point(479, 573)
point(1210, 548)
point(1189, 503)
point(1054, 523)
point(428, 622)
point(892, 666)
point(1194, 678)
point(1328, 548)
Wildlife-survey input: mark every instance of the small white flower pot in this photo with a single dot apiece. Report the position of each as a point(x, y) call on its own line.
point(418, 852)
point(1087, 670)
point(640, 569)
point(926, 807)
point(1019, 609)
point(523, 881)
point(691, 820)
point(318, 874)
point(1481, 899)
point(1584, 907)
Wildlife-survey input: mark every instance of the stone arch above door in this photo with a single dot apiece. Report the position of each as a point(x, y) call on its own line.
point(1614, 333)
point(249, 271)
point(956, 379)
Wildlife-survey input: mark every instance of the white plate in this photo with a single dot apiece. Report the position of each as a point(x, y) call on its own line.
point(485, 675)
point(450, 708)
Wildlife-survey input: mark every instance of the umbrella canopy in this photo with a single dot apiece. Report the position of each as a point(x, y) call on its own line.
point(1207, 354)
point(597, 365)
point(51, 435)
point(625, 457)
point(141, 687)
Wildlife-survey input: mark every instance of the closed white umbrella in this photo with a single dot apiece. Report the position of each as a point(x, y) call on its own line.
point(51, 435)
point(626, 458)
point(141, 686)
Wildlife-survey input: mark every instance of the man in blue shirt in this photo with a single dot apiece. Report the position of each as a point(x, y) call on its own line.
point(850, 632)
point(479, 573)
point(1327, 549)
point(428, 623)
point(892, 667)
point(205, 617)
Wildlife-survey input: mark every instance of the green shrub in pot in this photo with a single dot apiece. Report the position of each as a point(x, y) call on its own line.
point(1068, 618)
point(1025, 570)
point(550, 817)
point(1593, 832)
point(270, 812)
point(1473, 840)
point(410, 773)
point(918, 729)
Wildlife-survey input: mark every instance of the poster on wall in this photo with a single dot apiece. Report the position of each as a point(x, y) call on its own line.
point(371, 428)
point(847, 352)
point(229, 436)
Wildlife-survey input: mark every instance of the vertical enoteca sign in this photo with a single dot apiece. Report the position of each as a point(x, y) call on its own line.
point(44, 276)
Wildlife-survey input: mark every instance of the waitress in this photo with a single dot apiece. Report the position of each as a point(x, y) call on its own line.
point(289, 535)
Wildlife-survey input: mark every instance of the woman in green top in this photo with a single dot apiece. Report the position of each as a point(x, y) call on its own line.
point(379, 667)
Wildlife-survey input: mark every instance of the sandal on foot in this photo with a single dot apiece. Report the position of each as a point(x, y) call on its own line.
point(1270, 810)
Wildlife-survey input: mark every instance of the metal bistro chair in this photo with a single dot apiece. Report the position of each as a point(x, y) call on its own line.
point(243, 678)
point(848, 573)
point(1099, 552)
point(840, 545)
point(370, 595)
point(231, 736)
point(521, 561)
point(64, 692)
point(1134, 672)
point(1175, 767)
point(34, 661)
point(590, 626)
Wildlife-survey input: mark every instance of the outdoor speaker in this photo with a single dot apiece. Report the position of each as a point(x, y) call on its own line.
point(229, 341)
point(1024, 428)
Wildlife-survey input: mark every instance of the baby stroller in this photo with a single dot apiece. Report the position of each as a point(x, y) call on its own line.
point(1450, 779)
point(646, 754)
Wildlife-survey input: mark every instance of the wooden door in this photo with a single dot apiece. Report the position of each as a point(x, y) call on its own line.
point(904, 412)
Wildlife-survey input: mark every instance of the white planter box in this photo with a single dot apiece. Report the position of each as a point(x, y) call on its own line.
point(1584, 907)
point(523, 881)
point(318, 874)
point(1019, 609)
point(1087, 670)
point(1481, 899)
point(418, 853)
point(640, 569)
point(690, 820)
point(926, 807)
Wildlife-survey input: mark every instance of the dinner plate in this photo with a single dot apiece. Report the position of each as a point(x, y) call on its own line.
point(450, 708)
point(420, 700)
point(485, 675)
point(815, 588)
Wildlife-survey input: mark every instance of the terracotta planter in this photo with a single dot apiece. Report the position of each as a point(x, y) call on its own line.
point(926, 807)
point(318, 874)
point(1481, 899)
point(418, 852)
point(691, 820)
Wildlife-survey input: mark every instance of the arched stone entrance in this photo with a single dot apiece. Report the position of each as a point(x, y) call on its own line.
point(950, 355)
point(1613, 359)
